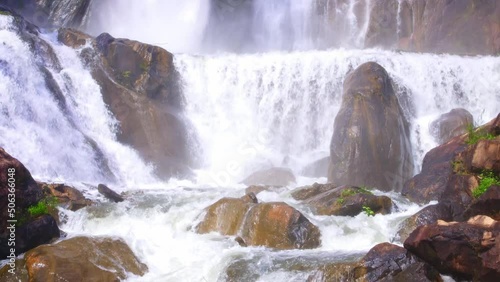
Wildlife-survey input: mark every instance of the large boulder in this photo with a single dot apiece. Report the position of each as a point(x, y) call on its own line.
point(83, 259)
point(276, 176)
point(465, 250)
point(451, 124)
point(141, 87)
point(370, 144)
point(279, 226)
point(274, 225)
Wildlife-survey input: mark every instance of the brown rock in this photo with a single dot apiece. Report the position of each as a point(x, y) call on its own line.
point(274, 225)
point(109, 194)
point(451, 124)
point(41, 230)
point(139, 84)
point(458, 194)
point(69, 196)
point(370, 145)
point(73, 38)
point(304, 193)
point(428, 215)
point(276, 176)
point(487, 204)
point(388, 262)
point(437, 169)
point(484, 155)
point(224, 216)
point(20, 272)
point(26, 194)
point(83, 259)
point(280, 226)
point(348, 201)
point(466, 250)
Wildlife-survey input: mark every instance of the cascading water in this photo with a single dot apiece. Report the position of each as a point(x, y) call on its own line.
point(256, 110)
point(55, 143)
point(250, 111)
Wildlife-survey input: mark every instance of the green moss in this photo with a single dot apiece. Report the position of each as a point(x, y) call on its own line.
point(368, 211)
point(477, 134)
point(351, 192)
point(42, 207)
point(5, 13)
point(486, 180)
point(458, 167)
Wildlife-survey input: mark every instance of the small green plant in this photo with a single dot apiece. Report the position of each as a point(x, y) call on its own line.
point(144, 66)
point(477, 134)
point(340, 201)
point(126, 74)
point(43, 207)
point(486, 180)
point(368, 211)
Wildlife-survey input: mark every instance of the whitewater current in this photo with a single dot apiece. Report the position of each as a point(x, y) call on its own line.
point(249, 111)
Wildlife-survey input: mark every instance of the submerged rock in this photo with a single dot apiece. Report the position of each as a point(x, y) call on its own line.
point(109, 194)
point(276, 176)
point(451, 124)
point(83, 259)
point(317, 168)
point(274, 225)
point(466, 250)
point(370, 145)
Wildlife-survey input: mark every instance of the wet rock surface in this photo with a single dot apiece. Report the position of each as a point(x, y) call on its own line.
point(370, 145)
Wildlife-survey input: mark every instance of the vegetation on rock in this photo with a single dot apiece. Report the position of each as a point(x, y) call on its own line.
point(487, 179)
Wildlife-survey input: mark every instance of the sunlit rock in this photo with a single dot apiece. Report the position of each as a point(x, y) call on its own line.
point(370, 144)
point(83, 259)
point(67, 196)
point(274, 225)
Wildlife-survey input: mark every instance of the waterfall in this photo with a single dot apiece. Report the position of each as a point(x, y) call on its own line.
point(56, 142)
point(253, 111)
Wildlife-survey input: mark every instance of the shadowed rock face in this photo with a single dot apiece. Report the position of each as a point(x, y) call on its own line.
point(370, 144)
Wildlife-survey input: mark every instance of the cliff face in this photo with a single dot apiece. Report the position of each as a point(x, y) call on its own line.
point(458, 26)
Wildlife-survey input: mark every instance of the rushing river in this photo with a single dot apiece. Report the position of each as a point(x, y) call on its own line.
point(250, 111)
